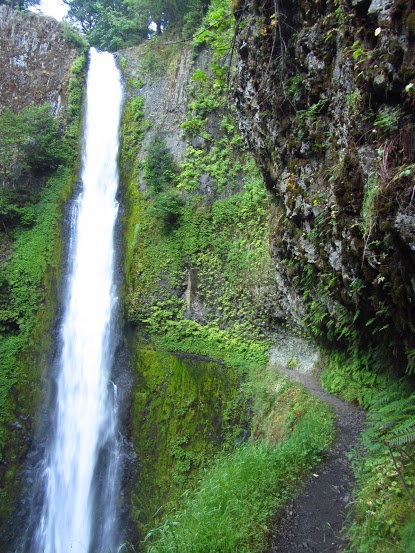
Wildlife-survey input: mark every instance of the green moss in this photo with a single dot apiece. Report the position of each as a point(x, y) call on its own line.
point(184, 411)
point(237, 497)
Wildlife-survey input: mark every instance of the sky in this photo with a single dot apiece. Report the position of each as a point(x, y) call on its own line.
point(55, 8)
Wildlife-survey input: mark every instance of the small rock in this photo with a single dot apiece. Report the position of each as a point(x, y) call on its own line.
point(197, 142)
point(378, 6)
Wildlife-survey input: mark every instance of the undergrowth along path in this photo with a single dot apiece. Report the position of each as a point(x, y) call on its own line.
point(313, 522)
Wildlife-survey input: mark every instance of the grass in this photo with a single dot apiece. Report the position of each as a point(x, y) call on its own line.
point(240, 494)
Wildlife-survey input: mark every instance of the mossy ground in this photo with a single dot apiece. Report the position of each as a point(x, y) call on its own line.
point(234, 505)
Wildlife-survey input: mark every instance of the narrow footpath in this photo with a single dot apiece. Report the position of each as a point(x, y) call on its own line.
point(313, 521)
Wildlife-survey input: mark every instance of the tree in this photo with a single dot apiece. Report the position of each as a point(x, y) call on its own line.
point(84, 13)
point(115, 24)
point(159, 166)
point(108, 24)
point(30, 144)
point(19, 4)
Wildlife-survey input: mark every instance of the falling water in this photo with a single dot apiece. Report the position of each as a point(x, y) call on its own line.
point(79, 512)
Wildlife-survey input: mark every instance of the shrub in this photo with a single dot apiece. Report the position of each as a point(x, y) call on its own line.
point(30, 143)
point(167, 207)
point(159, 167)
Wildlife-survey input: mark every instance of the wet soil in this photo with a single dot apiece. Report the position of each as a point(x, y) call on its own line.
point(314, 521)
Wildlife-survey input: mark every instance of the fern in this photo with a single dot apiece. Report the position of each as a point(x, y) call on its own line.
point(410, 369)
point(403, 439)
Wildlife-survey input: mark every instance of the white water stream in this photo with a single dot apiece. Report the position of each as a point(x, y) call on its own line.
point(86, 408)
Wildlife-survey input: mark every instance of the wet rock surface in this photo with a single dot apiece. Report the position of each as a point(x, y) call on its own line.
point(36, 59)
point(321, 91)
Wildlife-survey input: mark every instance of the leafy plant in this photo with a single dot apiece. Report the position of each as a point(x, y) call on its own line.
point(159, 167)
point(368, 213)
point(293, 86)
point(312, 111)
point(167, 207)
point(387, 120)
point(358, 52)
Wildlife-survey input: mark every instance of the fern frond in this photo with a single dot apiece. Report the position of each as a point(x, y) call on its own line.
point(410, 368)
point(386, 398)
point(403, 439)
point(404, 426)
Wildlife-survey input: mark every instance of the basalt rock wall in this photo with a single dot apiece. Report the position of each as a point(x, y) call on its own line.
point(36, 55)
point(325, 98)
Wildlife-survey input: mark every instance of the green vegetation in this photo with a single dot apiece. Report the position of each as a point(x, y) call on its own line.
point(35, 186)
point(21, 292)
point(293, 87)
point(238, 495)
point(30, 144)
point(159, 167)
point(112, 26)
point(185, 409)
point(197, 234)
point(385, 511)
point(368, 213)
point(310, 114)
point(387, 120)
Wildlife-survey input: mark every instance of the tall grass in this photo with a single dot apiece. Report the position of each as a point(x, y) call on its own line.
point(241, 493)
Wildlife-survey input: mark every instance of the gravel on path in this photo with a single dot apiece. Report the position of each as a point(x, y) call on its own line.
point(313, 522)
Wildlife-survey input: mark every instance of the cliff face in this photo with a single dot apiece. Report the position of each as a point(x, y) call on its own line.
point(38, 158)
point(36, 55)
point(197, 278)
point(325, 98)
point(163, 86)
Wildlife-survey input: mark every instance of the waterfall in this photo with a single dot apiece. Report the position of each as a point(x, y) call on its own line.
point(79, 510)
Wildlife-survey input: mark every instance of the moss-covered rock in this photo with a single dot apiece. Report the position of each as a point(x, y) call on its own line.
point(184, 410)
point(321, 100)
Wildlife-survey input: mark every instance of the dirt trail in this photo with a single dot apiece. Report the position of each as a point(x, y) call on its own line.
point(314, 520)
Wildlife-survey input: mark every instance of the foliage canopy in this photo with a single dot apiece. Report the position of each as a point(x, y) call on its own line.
point(114, 25)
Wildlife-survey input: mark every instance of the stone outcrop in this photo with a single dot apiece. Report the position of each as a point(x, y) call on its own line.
point(325, 98)
point(36, 54)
